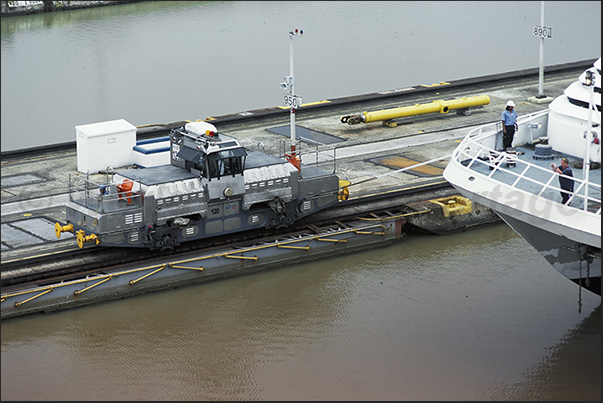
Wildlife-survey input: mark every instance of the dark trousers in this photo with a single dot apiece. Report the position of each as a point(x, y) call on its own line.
point(564, 197)
point(508, 137)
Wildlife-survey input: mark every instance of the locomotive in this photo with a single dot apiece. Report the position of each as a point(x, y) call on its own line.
point(213, 186)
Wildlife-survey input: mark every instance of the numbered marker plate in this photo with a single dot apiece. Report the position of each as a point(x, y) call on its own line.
point(292, 100)
point(543, 32)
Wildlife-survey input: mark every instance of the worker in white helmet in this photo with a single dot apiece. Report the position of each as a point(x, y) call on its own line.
point(509, 122)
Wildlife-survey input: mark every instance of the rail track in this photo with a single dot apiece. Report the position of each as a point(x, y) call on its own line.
point(66, 263)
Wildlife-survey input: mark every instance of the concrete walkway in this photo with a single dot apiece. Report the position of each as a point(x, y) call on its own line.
point(372, 155)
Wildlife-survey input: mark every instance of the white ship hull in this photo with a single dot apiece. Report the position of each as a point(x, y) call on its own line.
point(558, 250)
point(556, 240)
point(520, 186)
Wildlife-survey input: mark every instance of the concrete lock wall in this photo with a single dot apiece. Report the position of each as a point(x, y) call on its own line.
point(12, 8)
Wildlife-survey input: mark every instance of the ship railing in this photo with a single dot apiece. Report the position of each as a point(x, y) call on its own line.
point(101, 197)
point(490, 135)
point(477, 150)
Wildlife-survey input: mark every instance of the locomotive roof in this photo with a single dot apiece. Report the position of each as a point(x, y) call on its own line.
point(256, 159)
point(169, 173)
point(156, 175)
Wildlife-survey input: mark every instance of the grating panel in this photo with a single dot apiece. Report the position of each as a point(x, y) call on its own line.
point(398, 162)
point(18, 180)
point(301, 133)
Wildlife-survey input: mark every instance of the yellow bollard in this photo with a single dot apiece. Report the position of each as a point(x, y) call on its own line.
point(82, 238)
point(344, 193)
point(59, 229)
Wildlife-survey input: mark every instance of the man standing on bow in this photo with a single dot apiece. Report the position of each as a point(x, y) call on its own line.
point(509, 122)
point(566, 184)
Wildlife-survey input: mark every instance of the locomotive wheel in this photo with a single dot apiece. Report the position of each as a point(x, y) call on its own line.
point(167, 241)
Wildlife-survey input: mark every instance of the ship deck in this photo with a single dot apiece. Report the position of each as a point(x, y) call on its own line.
point(535, 176)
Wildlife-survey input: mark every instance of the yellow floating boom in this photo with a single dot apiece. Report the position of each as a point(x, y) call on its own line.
point(439, 106)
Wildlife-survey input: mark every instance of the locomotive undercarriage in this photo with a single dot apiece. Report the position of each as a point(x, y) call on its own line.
point(274, 214)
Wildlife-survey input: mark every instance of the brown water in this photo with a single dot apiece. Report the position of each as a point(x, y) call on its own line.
point(474, 316)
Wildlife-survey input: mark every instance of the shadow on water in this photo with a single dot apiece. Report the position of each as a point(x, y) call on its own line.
point(570, 363)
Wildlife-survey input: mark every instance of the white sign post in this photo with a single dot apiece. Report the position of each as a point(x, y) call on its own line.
point(541, 32)
point(291, 100)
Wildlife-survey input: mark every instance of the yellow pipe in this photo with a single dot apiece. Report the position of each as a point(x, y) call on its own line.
point(173, 266)
point(47, 289)
point(293, 247)
point(78, 292)
point(439, 106)
point(421, 109)
point(331, 240)
point(400, 112)
point(18, 304)
point(132, 282)
point(242, 257)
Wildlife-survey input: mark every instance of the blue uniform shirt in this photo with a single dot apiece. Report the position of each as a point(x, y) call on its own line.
point(566, 183)
point(509, 117)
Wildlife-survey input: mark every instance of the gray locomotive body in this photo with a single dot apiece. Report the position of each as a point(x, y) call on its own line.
point(213, 186)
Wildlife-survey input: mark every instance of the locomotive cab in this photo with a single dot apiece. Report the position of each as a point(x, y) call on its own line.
point(217, 158)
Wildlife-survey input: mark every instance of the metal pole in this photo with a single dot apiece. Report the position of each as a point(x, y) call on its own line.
point(541, 71)
point(292, 93)
point(587, 136)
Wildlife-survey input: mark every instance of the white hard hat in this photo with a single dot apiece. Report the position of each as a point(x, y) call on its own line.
point(511, 103)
